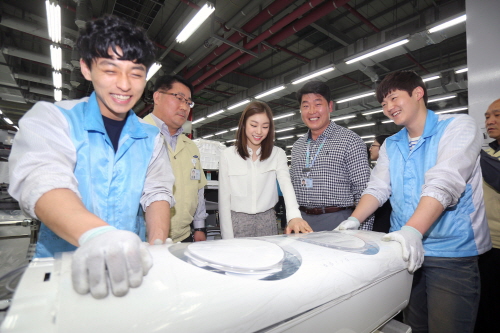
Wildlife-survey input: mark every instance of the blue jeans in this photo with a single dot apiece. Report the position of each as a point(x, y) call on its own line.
point(444, 296)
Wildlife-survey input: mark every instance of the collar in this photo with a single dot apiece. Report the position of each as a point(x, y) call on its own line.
point(429, 129)
point(494, 145)
point(328, 132)
point(93, 120)
point(250, 151)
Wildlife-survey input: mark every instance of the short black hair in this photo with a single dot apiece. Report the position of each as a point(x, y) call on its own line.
point(381, 138)
point(110, 32)
point(166, 82)
point(314, 87)
point(401, 80)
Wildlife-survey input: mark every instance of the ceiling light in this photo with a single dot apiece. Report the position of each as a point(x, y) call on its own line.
point(208, 136)
point(383, 49)
point(361, 125)
point(372, 112)
point(269, 92)
point(367, 136)
point(234, 129)
point(431, 78)
point(453, 110)
point(462, 70)
point(387, 121)
point(53, 21)
point(285, 137)
point(221, 132)
point(198, 120)
point(239, 104)
point(289, 156)
point(284, 115)
point(441, 98)
point(230, 140)
point(289, 146)
point(343, 118)
point(313, 75)
point(302, 134)
point(57, 95)
point(56, 57)
point(285, 129)
point(195, 22)
point(57, 79)
point(215, 113)
point(356, 97)
point(17, 128)
point(448, 24)
point(152, 70)
point(1, 112)
point(8, 121)
point(369, 141)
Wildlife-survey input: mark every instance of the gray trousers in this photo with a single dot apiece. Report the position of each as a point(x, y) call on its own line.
point(254, 225)
point(326, 222)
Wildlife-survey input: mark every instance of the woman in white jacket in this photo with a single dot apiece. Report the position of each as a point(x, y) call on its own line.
point(247, 178)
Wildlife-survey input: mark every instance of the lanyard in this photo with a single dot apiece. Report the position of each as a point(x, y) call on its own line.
point(308, 167)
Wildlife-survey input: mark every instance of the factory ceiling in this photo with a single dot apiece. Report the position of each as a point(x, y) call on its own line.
point(249, 47)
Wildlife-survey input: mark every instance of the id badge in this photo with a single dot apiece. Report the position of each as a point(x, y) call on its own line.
point(195, 174)
point(306, 182)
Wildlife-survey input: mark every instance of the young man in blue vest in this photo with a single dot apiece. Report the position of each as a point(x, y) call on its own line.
point(88, 168)
point(430, 171)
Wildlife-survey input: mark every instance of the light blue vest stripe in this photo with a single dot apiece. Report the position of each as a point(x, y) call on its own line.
point(452, 234)
point(110, 184)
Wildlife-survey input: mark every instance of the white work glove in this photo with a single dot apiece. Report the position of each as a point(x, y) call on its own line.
point(411, 241)
point(107, 252)
point(351, 223)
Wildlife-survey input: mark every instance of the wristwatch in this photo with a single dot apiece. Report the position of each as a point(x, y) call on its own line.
point(201, 229)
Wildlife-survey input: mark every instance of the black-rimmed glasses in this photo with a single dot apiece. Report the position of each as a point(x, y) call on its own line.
point(181, 98)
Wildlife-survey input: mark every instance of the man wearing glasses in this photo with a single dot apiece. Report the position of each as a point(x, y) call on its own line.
point(172, 105)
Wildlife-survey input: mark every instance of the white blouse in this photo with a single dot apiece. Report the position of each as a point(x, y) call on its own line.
point(249, 187)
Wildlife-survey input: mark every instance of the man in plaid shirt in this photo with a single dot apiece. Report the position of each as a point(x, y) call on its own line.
point(329, 165)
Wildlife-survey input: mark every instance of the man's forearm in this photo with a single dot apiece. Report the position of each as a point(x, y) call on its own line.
point(427, 212)
point(64, 213)
point(158, 221)
point(367, 205)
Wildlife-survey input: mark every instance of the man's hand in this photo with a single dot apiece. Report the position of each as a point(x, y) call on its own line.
point(107, 252)
point(199, 236)
point(351, 223)
point(411, 241)
point(298, 225)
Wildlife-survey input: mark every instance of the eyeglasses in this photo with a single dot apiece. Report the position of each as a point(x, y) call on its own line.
point(374, 146)
point(180, 98)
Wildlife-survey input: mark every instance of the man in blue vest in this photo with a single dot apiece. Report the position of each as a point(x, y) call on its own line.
point(430, 172)
point(88, 168)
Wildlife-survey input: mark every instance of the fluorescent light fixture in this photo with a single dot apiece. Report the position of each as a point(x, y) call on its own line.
point(198, 120)
point(367, 136)
point(152, 70)
point(462, 70)
point(361, 125)
point(284, 115)
point(356, 97)
point(387, 121)
point(448, 24)
point(313, 75)
point(53, 21)
point(17, 128)
point(195, 22)
point(56, 57)
point(285, 129)
point(269, 92)
point(239, 104)
point(221, 132)
point(299, 135)
point(382, 49)
point(453, 110)
point(8, 121)
point(208, 136)
point(215, 113)
point(289, 146)
point(372, 112)
point(441, 98)
point(1, 112)
point(285, 137)
point(57, 79)
point(57, 95)
point(230, 140)
point(369, 141)
point(343, 118)
point(431, 78)
point(234, 129)
point(289, 156)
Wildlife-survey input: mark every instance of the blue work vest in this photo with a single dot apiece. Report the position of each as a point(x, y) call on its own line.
point(110, 184)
